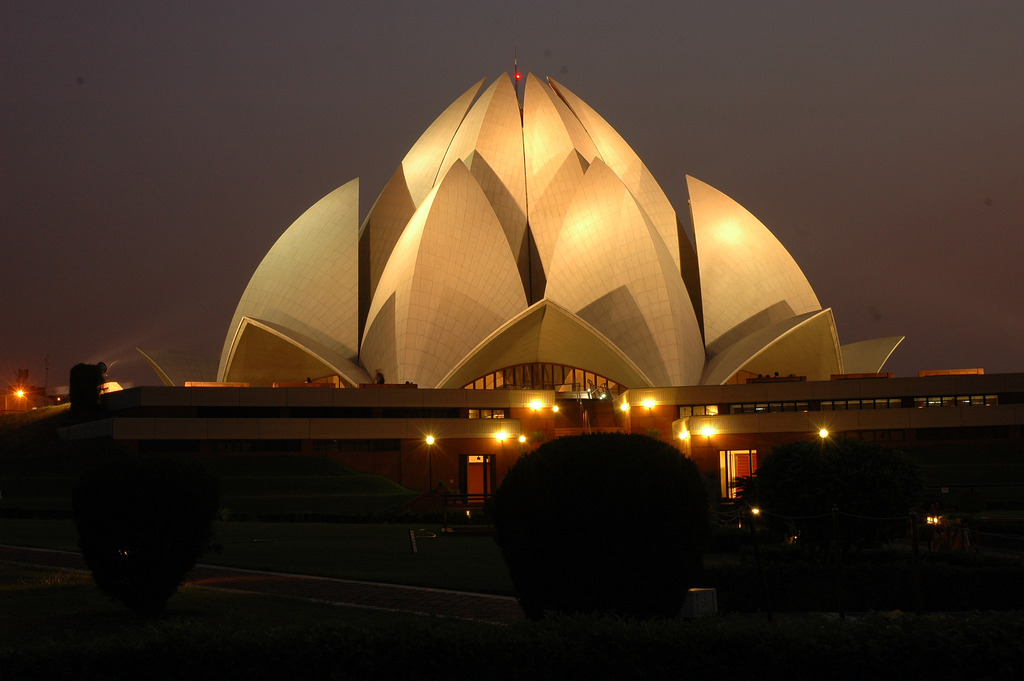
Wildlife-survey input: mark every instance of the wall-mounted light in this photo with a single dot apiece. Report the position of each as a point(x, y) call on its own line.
point(624, 406)
point(707, 431)
point(823, 433)
point(536, 404)
point(430, 439)
point(522, 439)
point(648, 403)
point(555, 408)
point(501, 437)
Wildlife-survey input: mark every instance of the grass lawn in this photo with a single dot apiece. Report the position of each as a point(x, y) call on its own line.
point(370, 552)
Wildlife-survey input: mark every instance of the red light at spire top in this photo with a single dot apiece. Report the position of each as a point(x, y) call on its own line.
point(518, 76)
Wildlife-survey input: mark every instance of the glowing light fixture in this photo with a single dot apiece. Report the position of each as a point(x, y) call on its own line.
point(684, 435)
point(430, 439)
point(625, 406)
point(555, 408)
point(648, 403)
point(707, 431)
point(522, 439)
point(823, 433)
point(19, 392)
point(755, 510)
point(536, 404)
point(501, 436)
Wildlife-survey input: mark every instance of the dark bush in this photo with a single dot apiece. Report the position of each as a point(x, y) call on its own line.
point(142, 523)
point(603, 523)
point(872, 487)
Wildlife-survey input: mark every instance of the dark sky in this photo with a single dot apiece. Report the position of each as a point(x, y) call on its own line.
point(152, 152)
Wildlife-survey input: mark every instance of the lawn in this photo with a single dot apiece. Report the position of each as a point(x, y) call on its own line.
point(369, 552)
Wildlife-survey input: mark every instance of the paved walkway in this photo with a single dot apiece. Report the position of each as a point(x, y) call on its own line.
point(436, 602)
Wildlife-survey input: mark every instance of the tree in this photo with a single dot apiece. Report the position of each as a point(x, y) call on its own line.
point(872, 487)
point(142, 523)
point(84, 385)
point(605, 523)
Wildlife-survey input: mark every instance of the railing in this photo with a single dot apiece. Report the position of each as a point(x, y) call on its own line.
point(465, 507)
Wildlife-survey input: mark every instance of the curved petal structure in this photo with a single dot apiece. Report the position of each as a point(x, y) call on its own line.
point(631, 170)
point(263, 353)
point(519, 238)
point(627, 286)
point(175, 367)
point(806, 345)
point(547, 332)
point(308, 281)
point(748, 279)
point(869, 356)
point(446, 287)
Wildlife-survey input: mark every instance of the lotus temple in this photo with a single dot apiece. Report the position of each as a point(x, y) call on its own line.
point(523, 276)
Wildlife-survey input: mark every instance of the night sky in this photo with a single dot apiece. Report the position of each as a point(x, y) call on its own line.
point(152, 152)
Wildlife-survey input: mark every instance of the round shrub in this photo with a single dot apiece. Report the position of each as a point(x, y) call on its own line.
point(602, 523)
point(873, 487)
point(142, 523)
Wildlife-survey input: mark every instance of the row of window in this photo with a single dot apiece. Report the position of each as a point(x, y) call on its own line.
point(486, 413)
point(957, 401)
point(843, 405)
point(878, 403)
point(769, 407)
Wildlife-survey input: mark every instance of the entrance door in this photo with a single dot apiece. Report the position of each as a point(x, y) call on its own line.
point(479, 474)
point(736, 463)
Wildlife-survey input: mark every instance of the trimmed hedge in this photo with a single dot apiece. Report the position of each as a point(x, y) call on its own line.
point(978, 646)
point(142, 523)
point(602, 523)
point(882, 582)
